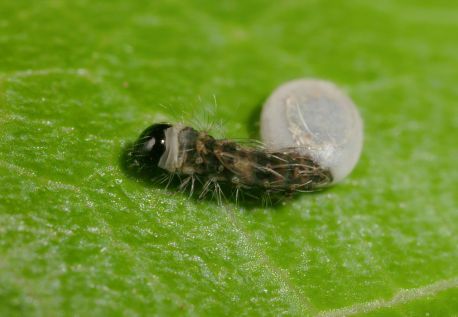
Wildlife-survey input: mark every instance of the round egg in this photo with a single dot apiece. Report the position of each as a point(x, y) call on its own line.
point(317, 119)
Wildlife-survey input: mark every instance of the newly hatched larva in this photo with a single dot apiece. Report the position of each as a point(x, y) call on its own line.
point(312, 135)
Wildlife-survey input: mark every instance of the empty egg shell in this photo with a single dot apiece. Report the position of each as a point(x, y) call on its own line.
point(317, 119)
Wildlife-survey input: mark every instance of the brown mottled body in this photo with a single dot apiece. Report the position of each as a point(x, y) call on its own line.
point(227, 162)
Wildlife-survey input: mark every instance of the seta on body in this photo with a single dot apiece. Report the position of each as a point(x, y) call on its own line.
point(312, 135)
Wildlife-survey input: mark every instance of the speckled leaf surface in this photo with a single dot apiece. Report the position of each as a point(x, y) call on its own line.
point(79, 80)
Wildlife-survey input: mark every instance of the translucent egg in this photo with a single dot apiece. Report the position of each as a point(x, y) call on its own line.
point(317, 119)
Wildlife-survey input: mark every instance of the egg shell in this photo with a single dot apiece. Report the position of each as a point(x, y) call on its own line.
point(316, 118)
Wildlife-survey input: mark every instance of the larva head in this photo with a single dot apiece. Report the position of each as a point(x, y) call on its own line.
point(151, 144)
point(317, 119)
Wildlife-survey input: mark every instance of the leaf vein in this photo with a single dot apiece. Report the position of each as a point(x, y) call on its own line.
point(402, 297)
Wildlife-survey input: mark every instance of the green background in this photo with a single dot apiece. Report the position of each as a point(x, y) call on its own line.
point(79, 80)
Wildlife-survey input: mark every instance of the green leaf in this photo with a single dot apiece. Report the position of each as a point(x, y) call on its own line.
point(79, 80)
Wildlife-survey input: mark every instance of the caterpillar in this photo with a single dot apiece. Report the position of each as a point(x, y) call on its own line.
point(312, 138)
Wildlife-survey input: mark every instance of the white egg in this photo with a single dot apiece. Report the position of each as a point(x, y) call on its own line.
point(317, 119)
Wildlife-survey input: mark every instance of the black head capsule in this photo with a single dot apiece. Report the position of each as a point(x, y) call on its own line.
point(151, 145)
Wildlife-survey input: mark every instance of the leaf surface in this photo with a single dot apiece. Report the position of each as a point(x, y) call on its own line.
point(80, 80)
